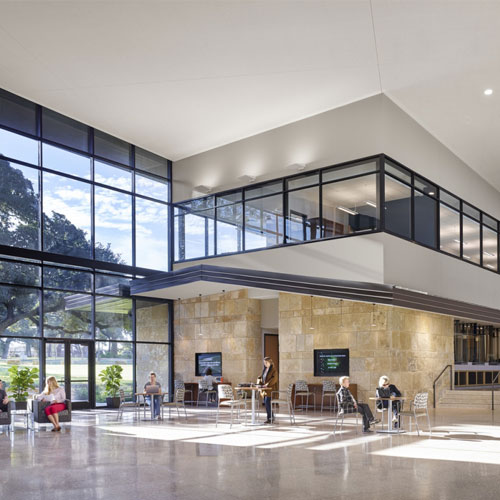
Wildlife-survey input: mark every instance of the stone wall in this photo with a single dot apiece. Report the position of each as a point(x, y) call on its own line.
point(229, 323)
point(410, 347)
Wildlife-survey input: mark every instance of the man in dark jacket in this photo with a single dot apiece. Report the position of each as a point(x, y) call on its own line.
point(347, 402)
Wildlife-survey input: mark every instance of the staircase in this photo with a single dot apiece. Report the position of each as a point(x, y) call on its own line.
point(468, 399)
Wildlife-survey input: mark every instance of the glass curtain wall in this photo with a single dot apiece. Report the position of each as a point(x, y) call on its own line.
point(93, 211)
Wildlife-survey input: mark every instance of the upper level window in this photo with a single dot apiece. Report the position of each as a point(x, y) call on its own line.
point(17, 113)
point(65, 161)
point(63, 130)
point(18, 147)
point(111, 175)
point(112, 148)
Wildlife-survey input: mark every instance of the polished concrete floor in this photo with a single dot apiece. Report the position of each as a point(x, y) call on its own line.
point(96, 457)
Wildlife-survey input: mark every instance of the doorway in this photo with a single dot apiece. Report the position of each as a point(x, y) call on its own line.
point(272, 348)
point(71, 362)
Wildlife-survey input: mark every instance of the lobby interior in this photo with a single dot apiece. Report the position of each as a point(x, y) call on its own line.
point(192, 185)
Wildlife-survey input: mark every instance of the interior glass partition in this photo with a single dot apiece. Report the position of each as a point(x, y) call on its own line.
point(338, 201)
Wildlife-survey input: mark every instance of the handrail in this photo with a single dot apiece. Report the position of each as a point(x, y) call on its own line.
point(437, 378)
point(493, 392)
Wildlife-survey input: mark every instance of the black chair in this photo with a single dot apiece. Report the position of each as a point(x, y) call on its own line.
point(39, 416)
point(6, 416)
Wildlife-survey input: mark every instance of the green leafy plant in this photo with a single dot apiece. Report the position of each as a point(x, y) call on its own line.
point(21, 380)
point(111, 376)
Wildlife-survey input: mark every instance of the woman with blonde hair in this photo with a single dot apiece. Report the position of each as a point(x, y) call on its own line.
point(57, 398)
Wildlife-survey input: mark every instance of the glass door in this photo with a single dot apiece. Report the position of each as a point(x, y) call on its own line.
point(70, 362)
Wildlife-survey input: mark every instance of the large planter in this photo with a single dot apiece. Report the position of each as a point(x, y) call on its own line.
point(113, 402)
point(19, 405)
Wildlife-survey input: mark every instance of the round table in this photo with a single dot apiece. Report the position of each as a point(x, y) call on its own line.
point(390, 429)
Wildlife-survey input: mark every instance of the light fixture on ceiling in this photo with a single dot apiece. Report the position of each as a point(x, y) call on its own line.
point(311, 327)
point(296, 166)
point(458, 241)
point(371, 203)
point(432, 193)
point(466, 257)
point(247, 179)
point(489, 254)
point(488, 92)
point(490, 266)
point(348, 210)
point(203, 189)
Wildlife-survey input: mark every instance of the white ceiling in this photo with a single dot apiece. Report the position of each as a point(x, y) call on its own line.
point(182, 77)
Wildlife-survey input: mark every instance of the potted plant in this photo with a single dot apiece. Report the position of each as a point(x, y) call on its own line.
point(21, 381)
point(111, 376)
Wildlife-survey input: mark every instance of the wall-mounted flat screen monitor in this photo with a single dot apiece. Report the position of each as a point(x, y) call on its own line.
point(331, 362)
point(206, 360)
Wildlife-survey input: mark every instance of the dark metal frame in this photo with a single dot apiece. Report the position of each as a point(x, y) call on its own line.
point(380, 171)
point(43, 258)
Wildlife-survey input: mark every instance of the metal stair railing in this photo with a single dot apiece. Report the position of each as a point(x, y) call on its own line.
point(437, 379)
point(493, 391)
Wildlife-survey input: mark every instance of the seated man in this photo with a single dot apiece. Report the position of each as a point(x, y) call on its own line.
point(153, 387)
point(4, 400)
point(347, 401)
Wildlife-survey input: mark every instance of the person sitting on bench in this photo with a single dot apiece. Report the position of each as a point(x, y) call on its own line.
point(346, 401)
point(4, 400)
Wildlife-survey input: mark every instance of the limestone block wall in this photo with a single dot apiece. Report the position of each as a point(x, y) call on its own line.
point(410, 347)
point(227, 322)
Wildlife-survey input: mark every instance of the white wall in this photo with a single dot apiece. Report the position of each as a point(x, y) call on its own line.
point(269, 314)
point(413, 266)
point(376, 258)
point(352, 259)
point(370, 126)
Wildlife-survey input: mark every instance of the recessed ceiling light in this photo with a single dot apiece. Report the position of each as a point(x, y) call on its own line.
point(488, 92)
point(489, 254)
point(371, 203)
point(348, 210)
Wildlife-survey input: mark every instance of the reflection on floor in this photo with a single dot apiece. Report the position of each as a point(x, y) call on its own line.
point(98, 457)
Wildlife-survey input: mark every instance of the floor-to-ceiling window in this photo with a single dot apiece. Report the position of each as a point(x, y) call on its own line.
point(81, 213)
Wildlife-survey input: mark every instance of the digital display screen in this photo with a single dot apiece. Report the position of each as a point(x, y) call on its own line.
point(207, 360)
point(331, 362)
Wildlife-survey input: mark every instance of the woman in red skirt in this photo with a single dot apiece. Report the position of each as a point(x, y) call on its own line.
point(57, 397)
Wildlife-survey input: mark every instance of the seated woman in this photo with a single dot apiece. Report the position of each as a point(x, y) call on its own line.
point(153, 387)
point(347, 401)
point(57, 398)
point(210, 380)
point(388, 390)
point(4, 400)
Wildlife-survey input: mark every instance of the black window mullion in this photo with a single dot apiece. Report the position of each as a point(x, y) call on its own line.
point(320, 212)
point(285, 213)
point(461, 231)
point(381, 193)
point(481, 239)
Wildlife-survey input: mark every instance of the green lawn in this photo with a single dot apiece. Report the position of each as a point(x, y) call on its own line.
point(79, 371)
